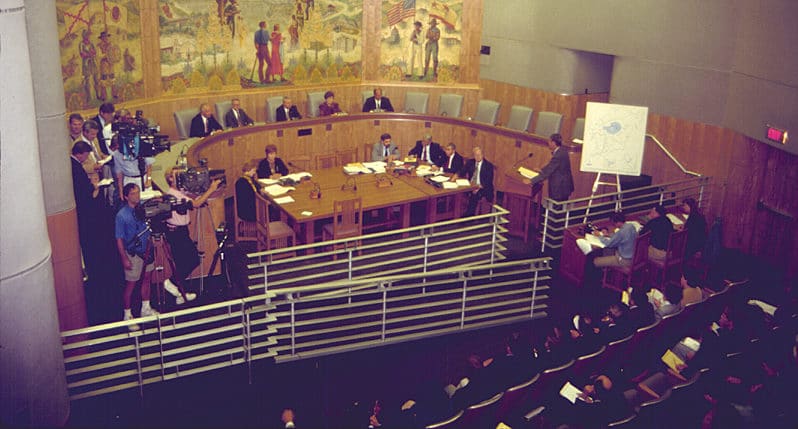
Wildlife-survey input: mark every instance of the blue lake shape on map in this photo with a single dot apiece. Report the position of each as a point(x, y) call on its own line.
point(613, 128)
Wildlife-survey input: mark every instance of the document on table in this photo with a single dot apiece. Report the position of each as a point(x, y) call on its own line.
point(594, 241)
point(284, 200)
point(675, 219)
point(297, 177)
point(375, 166)
point(267, 182)
point(356, 168)
point(463, 182)
point(449, 185)
point(442, 179)
point(529, 174)
point(276, 190)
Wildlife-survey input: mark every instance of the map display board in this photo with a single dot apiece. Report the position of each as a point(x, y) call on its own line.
point(615, 137)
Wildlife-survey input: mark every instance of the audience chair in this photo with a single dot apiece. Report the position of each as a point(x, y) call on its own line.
point(272, 234)
point(482, 414)
point(487, 111)
point(520, 118)
point(347, 220)
point(272, 103)
point(314, 100)
point(326, 161)
point(416, 102)
point(626, 422)
point(449, 423)
point(579, 129)
point(548, 123)
point(243, 230)
point(183, 121)
point(584, 365)
point(654, 413)
point(221, 108)
point(551, 380)
point(367, 148)
point(346, 156)
point(515, 395)
point(674, 257)
point(627, 274)
point(450, 105)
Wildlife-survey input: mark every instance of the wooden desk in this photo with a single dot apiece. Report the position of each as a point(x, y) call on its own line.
point(523, 202)
point(403, 191)
point(572, 260)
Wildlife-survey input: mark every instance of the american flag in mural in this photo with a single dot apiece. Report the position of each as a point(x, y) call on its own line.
point(400, 11)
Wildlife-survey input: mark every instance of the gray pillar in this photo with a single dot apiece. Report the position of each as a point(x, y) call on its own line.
point(32, 379)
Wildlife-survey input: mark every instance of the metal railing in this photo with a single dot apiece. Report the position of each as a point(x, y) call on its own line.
point(449, 244)
point(559, 215)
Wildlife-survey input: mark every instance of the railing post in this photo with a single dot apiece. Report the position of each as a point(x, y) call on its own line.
point(384, 309)
point(136, 345)
point(349, 265)
point(534, 290)
point(463, 304)
point(293, 329)
point(160, 348)
point(545, 227)
point(701, 193)
point(493, 241)
point(564, 205)
point(266, 280)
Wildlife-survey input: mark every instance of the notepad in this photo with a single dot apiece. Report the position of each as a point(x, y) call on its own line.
point(277, 190)
point(691, 344)
point(449, 185)
point(284, 200)
point(570, 392)
point(306, 213)
point(442, 179)
point(529, 174)
point(267, 182)
point(463, 182)
point(673, 361)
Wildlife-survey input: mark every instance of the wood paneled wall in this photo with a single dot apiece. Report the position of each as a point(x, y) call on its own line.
point(754, 186)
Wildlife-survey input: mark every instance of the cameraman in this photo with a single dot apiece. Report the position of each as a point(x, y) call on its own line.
point(133, 244)
point(126, 161)
point(184, 250)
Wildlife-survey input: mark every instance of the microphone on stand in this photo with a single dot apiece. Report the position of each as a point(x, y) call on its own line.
point(517, 163)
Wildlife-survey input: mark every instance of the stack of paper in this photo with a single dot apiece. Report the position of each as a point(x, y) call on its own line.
point(441, 179)
point(424, 170)
point(297, 177)
point(594, 241)
point(276, 190)
point(284, 200)
point(375, 166)
point(356, 168)
point(463, 182)
point(529, 174)
point(449, 185)
point(675, 219)
point(267, 182)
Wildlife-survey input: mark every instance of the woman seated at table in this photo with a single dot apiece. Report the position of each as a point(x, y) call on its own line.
point(246, 187)
point(271, 167)
point(329, 107)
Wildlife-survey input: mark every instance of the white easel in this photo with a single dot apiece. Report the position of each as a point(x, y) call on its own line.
point(596, 184)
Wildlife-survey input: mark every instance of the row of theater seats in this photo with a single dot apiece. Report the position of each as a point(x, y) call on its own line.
point(526, 404)
point(415, 102)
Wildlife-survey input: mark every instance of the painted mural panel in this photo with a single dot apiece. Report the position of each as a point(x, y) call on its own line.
point(233, 44)
point(100, 44)
point(420, 40)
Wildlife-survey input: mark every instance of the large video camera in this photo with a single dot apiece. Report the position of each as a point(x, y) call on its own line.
point(137, 138)
point(198, 179)
point(157, 210)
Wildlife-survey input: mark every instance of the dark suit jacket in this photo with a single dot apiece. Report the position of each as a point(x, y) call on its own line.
point(264, 171)
point(457, 163)
point(84, 190)
point(435, 151)
point(558, 171)
point(485, 176)
point(245, 200)
point(231, 122)
point(293, 113)
point(370, 104)
point(198, 129)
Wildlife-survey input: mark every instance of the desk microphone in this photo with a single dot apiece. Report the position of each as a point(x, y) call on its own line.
point(517, 163)
point(291, 164)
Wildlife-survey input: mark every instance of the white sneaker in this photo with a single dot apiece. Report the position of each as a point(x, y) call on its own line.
point(190, 296)
point(132, 327)
point(171, 288)
point(149, 311)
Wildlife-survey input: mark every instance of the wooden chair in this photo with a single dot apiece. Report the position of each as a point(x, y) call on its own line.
point(367, 148)
point(272, 234)
point(674, 256)
point(344, 157)
point(243, 230)
point(639, 265)
point(302, 162)
point(326, 161)
point(347, 220)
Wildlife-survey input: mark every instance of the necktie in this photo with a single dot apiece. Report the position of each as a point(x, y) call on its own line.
point(378, 104)
point(450, 161)
point(424, 153)
point(238, 119)
point(386, 152)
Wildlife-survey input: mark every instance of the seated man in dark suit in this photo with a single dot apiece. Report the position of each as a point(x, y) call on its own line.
point(204, 124)
point(428, 151)
point(451, 162)
point(377, 103)
point(480, 172)
point(287, 111)
point(236, 116)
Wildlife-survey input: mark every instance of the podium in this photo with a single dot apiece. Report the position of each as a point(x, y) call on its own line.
point(523, 201)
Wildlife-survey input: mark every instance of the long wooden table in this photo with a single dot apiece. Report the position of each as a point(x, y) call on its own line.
point(403, 190)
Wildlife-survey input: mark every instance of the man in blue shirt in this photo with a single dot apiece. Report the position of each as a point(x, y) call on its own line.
point(132, 242)
point(623, 241)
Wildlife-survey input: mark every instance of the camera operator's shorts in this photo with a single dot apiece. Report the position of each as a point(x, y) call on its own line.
point(134, 274)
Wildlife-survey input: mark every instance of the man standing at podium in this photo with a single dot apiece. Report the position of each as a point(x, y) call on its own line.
point(558, 171)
